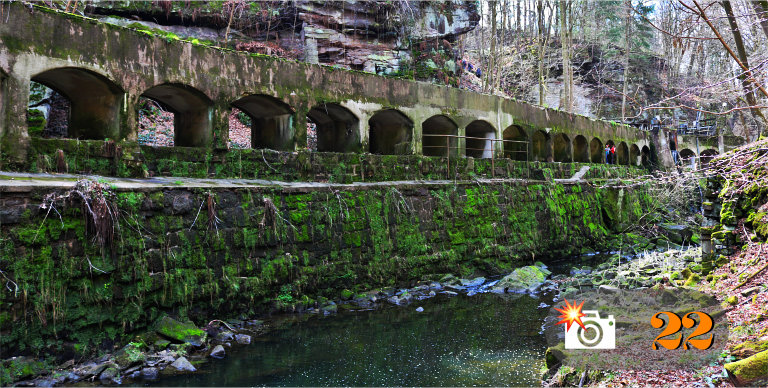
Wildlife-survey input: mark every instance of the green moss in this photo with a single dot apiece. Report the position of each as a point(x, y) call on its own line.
point(749, 370)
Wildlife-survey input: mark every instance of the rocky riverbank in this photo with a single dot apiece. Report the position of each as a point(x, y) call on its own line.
point(175, 347)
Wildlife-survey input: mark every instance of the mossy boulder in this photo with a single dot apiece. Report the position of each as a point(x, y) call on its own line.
point(523, 279)
point(693, 280)
point(554, 355)
point(750, 371)
point(185, 332)
point(347, 294)
point(749, 348)
point(19, 368)
point(732, 300)
point(129, 355)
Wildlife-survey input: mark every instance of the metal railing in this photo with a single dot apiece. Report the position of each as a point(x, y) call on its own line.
point(704, 127)
point(448, 147)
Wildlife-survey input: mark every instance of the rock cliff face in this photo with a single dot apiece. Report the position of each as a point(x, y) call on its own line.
point(374, 36)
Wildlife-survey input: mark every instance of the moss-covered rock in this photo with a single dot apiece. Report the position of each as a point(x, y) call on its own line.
point(732, 300)
point(129, 355)
point(749, 348)
point(554, 355)
point(692, 280)
point(522, 279)
point(346, 294)
point(185, 332)
point(750, 371)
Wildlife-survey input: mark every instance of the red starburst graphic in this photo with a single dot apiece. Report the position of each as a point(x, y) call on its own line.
point(571, 314)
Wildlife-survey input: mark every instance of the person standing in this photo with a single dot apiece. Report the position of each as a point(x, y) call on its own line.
point(607, 153)
point(613, 154)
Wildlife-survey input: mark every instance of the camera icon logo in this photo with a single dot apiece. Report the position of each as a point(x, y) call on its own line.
point(596, 332)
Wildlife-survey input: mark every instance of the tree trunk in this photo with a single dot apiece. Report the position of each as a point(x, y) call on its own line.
point(540, 14)
point(492, 54)
point(565, 103)
point(627, 46)
point(746, 81)
point(761, 9)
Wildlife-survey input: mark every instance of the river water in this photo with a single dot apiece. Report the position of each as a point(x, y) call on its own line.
point(484, 339)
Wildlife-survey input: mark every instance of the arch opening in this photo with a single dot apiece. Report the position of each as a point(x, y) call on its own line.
point(480, 135)
point(634, 155)
point(541, 147)
point(596, 151)
point(191, 110)
point(580, 149)
point(432, 143)
point(562, 148)
point(687, 157)
point(336, 128)
point(515, 143)
point(622, 154)
point(271, 121)
point(390, 133)
point(645, 157)
point(75, 103)
point(707, 156)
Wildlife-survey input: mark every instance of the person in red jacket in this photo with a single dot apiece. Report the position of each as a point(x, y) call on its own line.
point(613, 154)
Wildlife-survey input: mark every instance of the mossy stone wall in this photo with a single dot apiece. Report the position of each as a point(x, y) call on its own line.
point(271, 248)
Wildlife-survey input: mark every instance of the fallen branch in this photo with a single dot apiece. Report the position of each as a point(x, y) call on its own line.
point(751, 276)
point(223, 323)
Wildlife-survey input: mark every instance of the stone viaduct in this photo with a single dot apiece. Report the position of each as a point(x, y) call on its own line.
point(105, 69)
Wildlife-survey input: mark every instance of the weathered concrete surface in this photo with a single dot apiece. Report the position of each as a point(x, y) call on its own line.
point(115, 66)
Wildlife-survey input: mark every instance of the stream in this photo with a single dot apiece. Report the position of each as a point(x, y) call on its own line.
point(486, 340)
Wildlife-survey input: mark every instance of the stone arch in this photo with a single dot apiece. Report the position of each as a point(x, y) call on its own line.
point(192, 111)
point(432, 144)
point(580, 149)
point(515, 143)
point(707, 155)
point(622, 153)
point(541, 147)
point(271, 121)
point(634, 155)
point(337, 128)
point(645, 156)
point(561, 147)
point(95, 101)
point(480, 135)
point(390, 133)
point(687, 156)
point(596, 151)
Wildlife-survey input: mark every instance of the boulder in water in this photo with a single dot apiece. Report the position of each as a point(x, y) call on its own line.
point(218, 352)
point(149, 373)
point(180, 331)
point(528, 278)
point(243, 339)
point(183, 365)
point(476, 282)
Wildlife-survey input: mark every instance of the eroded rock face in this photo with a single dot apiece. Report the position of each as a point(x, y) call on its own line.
point(373, 36)
point(376, 36)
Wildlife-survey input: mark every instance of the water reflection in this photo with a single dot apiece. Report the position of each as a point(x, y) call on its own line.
point(486, 339)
